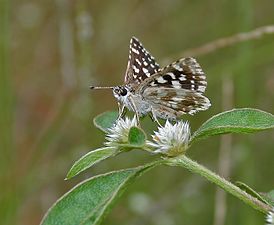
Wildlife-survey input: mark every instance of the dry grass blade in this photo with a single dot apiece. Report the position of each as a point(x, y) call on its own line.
point(227, 41)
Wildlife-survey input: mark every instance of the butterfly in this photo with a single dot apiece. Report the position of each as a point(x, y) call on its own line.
point(166, 93)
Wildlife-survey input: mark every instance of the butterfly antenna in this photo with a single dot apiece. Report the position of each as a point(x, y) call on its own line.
point(94, 87)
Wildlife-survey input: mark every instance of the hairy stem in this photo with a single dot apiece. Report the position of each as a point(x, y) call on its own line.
point(221, 182)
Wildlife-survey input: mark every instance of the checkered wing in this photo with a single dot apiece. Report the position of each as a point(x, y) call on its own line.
point(178, 87)
point(141, 64)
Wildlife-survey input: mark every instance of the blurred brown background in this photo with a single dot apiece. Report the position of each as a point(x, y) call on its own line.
point(58, 48)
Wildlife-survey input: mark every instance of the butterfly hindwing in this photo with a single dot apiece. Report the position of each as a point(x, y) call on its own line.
point(180, 100)
point(141, 64)
point(185, 73)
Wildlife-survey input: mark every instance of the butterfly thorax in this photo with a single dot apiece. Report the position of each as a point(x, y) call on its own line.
point(134, 102)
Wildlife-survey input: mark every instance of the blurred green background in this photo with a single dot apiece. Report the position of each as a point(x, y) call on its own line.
point(51, 51)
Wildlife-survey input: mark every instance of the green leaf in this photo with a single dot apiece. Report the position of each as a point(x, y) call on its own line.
point(105, 120)
point(88, 202)
point(251, 191)
point(90, 159)
point(136, 137)
point(269, 197)
point(244, 120)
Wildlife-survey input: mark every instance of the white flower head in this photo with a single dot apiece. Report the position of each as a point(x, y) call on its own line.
point(118, 133)
point(171, 140)
point(270, 217)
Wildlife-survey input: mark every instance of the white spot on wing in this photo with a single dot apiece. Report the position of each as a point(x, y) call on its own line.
point(135, 51)
point(201, 88)
point(136, 70)
point(199, 71)
point(176, 99)
point(161, 80)
point(172, 75)
point(191, 112)
point(182, 78)
point(175, 82)
point(138, 61)
point(202, 82)
point(144, 70)
point(177, 67)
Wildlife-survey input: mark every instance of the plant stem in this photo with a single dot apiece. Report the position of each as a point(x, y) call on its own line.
point(193, 166)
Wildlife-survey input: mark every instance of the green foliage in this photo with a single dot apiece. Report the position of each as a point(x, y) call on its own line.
point(251, 191)
point(89, 201)
point(136, 137)
point(244, 120)
point(90, 159)
point(270, 197)
point(105, 120)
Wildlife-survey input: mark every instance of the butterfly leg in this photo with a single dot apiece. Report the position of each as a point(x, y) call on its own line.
point(133, 106)
point(154, 117)
point(122, 110)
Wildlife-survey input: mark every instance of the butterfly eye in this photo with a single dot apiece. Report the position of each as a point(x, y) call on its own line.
point(123, 91)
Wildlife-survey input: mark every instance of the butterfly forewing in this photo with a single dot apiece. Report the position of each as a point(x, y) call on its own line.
point(141, 64)
point(178, 86)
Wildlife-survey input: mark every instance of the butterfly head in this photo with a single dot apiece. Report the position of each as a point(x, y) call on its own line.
point(120, 92)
